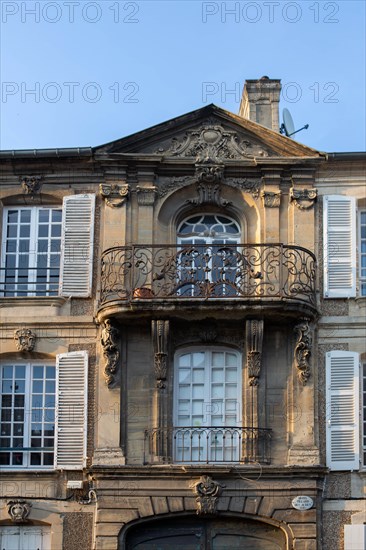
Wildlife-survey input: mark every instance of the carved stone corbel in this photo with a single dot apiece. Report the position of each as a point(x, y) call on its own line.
point(208, 491)
point(160, 334)
point(254, 341)
point(303, 198)
point(114, 195)
point(25, 339)
point(31, 184)
point(146, 196)
point(110, 340)
point(303, 350)
point(19, 510)
point(271, 199)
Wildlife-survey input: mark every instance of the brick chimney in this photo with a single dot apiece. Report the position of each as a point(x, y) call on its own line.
point(260, 102)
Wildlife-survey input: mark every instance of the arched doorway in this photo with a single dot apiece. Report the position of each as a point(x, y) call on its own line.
point(192, 533)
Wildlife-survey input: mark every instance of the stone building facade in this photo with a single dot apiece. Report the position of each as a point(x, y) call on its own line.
point(182, 336)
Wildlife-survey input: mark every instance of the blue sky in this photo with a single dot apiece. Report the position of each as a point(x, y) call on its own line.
point(82, 73)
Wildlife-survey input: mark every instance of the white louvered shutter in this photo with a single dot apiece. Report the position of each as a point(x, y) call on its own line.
point(342, 410)
point(71, 410)
point(339, 246)
point(77, 245)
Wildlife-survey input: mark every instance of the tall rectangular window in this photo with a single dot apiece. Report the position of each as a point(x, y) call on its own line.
point(31, 251)
point(362, 254)
point(363, 435)
point(27, 409)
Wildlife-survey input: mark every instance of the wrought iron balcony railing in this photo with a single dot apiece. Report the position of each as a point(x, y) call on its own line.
point(208, 444)
point(248, 271)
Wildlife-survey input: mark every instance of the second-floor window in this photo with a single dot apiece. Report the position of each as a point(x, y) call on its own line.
point(31, 251)
point(208, 263)
point(46, 250)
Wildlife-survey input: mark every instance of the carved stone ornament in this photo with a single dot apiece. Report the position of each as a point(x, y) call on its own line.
point(160, 333)
point(303, 350)
point(25, 339)
point(271, 199)
point(19, 510)
point(31, 184)
point(208, 333)
point(110, 340)
point(114, 195)
point(212, 140)
point(146, 195)
point(303, 198)
point(247, 185)
point(208, 194)
point(208, 491)
point(254, 341)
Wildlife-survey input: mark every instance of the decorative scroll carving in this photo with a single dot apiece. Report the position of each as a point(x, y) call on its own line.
point(208, 491)
point(173, 183)
point(31, 184)
point(25, 339)
point(110, 339)
point(160, 333)
point(112, 193)
point(254, 341)
point(244, 184)
point(19, 510)
point(303, 198)
point(271, 199)
point(303, 350)
point(214, 141)
point(146, 195)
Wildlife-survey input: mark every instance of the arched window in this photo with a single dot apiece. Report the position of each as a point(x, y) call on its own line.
point(207, 405)
point(208, 260)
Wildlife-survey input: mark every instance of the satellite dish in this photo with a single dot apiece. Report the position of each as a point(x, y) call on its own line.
point(288, 126)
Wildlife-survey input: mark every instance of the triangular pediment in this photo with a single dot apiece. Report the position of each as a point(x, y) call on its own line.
point(211, 132)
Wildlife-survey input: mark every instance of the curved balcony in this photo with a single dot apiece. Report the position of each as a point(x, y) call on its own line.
point(156, 276)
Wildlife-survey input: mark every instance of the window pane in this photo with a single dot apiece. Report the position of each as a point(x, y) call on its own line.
point(218, 359)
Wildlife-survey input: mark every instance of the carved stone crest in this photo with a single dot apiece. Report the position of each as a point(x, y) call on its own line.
point(303, 350)
point(213, 140)
point(303, 198)
point(114, 195)
point(25, 339)
point(208, 491)
point(110, 340)
point(31, 184)
point(19, 510)
point(160, 333)
point(208, 194)
point(271, 199)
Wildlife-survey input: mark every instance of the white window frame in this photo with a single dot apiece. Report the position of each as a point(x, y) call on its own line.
point(355, 537)
point(363, 413)
point(32, 288)
point(361, 254)
point(71, 394)
point(76, 256)
point(209, 242)
point(16, 537)
point(212, 406)
point(37, 415)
